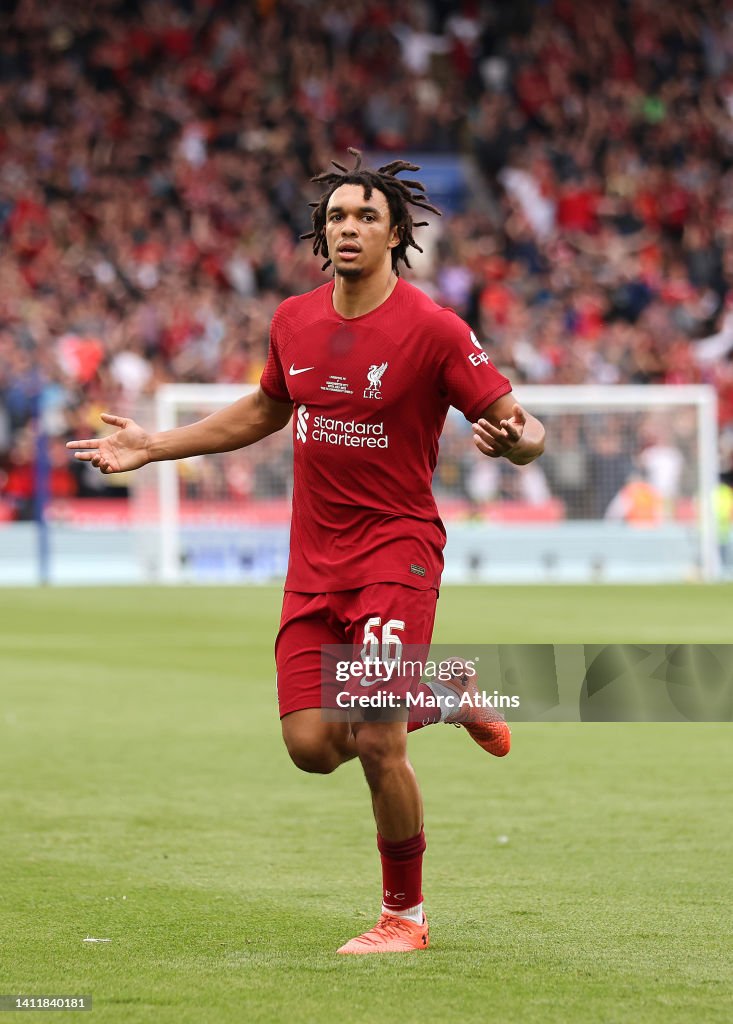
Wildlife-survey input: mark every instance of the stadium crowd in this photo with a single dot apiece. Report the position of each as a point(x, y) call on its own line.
point(155, 159)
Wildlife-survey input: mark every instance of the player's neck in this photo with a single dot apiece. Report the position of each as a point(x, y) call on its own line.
point(358, 296)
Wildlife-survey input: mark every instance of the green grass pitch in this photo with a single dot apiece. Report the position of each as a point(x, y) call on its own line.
point(147, 799)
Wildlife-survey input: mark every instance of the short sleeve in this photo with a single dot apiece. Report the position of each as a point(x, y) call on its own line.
point(469, 378)
point(272, 380)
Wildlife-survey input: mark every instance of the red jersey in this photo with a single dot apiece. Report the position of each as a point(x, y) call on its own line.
point(371, 394)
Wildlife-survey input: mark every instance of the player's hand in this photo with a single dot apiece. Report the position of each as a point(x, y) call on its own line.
point(498, 441)
point(126, 449)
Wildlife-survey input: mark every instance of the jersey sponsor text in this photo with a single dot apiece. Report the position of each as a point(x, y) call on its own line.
point(350, 433)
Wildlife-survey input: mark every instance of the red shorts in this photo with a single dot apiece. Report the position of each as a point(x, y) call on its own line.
point(351, 617)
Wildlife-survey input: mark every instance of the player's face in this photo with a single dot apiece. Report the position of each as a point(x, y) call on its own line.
point(358, 231)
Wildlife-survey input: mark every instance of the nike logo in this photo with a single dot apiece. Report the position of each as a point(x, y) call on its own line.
point(305, 369)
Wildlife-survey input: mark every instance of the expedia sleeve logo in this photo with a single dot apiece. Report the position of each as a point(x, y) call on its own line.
point(477, 358)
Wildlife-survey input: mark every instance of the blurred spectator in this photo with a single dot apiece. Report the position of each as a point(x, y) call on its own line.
point(638, 503)
point(154, 166)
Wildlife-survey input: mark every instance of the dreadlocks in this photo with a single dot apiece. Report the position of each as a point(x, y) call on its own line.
point(399, 192)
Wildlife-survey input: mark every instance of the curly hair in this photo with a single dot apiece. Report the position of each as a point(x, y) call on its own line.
point(399, 193)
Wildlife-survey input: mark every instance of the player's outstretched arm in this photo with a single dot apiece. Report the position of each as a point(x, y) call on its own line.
point(509, 431)
point(236, 426)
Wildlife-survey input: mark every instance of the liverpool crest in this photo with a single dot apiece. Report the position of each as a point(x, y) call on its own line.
point(374, 376)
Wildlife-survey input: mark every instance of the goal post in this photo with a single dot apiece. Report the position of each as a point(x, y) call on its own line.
point(700, 443)
point(171, 401)
point(624, 493)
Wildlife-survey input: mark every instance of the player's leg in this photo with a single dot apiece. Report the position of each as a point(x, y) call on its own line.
point(376, 615)
point(314, 745)
point(382, 750)
point(398, 812)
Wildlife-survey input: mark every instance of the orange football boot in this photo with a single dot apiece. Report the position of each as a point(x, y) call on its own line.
point(390, 935)
point(484, 725)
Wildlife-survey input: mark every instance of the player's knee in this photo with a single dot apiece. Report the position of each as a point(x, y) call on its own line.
point(311, 756)
point(377, 752)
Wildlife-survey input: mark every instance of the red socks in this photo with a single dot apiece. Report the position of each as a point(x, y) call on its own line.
point(401, 871)
point(427, 715)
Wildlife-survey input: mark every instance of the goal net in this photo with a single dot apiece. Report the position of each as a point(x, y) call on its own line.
point(623, 493)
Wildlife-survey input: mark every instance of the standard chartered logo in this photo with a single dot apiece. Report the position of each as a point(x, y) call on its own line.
point(301, 428)
point(347, 433)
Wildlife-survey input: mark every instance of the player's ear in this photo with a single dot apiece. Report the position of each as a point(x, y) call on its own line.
point(394, 237)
